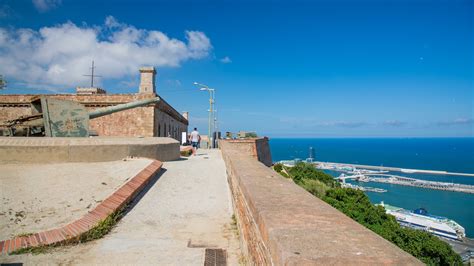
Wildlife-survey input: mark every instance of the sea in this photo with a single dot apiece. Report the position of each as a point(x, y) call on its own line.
point(444, 154)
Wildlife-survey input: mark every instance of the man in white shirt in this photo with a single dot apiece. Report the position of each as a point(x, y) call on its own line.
point(195, 138)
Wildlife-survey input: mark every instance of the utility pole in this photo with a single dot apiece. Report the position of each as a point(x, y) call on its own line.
point(92, 74)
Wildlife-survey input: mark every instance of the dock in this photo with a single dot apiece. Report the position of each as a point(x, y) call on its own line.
point(393, 169)
point(369, 173)
point(406, 181)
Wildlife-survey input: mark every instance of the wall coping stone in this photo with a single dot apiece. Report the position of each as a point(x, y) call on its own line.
point(93, 149)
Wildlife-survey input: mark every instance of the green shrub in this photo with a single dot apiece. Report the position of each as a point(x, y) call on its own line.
point(315, 187)
point(355, 204)
point(186, 153)
point(303, 171)
point(278, 167)
point(422, 245)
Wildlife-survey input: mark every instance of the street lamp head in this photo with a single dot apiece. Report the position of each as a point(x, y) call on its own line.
point(195, 83)
point(203, 89)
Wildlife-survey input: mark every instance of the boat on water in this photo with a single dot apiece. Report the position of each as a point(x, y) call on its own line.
point(420, 219)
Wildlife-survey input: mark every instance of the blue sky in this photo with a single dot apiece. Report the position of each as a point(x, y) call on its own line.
point(281, 68)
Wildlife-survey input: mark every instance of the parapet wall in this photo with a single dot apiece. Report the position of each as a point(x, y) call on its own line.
point(99, 149)
point(257, 148)
point(282, 224)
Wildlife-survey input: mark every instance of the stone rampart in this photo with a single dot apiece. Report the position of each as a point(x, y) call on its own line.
point(257, 148)
point(282, 224)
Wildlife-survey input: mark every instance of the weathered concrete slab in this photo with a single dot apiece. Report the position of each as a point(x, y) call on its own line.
point(282, 224)
point(97, 149)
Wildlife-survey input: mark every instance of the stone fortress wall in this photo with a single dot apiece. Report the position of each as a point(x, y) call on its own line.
point(155, 120)
point(280, 223)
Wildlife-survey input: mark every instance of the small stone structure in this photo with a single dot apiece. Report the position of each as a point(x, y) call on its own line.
point(256, 148)
point(147, 80)
point(156, 120)
point(280, 223)
point(89, 90)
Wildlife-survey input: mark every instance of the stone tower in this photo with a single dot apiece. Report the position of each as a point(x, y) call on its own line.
point(147, 80)
point(186, 115)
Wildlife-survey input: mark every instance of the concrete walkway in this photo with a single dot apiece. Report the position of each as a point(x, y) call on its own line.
point(186, 210)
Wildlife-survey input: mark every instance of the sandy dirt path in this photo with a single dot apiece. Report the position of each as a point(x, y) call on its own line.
point(37, 197)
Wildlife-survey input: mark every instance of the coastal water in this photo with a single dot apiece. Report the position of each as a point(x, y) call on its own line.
point(444, 154)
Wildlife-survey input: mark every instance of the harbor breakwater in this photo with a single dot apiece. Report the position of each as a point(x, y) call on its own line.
point(405, 181)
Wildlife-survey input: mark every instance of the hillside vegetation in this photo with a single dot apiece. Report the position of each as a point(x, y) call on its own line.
point(355, 204)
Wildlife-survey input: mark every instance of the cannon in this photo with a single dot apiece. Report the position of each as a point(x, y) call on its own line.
point(61, 118)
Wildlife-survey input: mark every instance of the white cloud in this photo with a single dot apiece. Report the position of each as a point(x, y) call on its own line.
point(311, 121)
point(173, 82)
point(46, 5)
point(58, 56)
point(225, 60)
point(394, 123)
point(457, 121)
point(345, 124)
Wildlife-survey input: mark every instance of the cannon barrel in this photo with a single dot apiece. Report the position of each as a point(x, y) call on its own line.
point(121, 107)
point(62, 118)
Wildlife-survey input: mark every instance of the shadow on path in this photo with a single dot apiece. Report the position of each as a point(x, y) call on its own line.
point(142, 193)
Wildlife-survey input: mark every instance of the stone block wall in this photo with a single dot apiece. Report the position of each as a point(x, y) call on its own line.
point(165, 125)
point(142, 121)
point(257, 148)
point(282, 224)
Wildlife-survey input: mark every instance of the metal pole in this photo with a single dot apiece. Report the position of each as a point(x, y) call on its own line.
point(92, 76)
point(216, 128)
point(210, 117)
point(211, 113)
point(213, 123)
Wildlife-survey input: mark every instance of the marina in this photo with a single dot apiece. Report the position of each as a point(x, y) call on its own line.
point(349, 167)
point(382, 176)
point(406, 181)
point(377, 174)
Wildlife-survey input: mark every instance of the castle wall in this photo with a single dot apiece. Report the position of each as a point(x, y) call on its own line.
point(141, 121)
point(280, 223)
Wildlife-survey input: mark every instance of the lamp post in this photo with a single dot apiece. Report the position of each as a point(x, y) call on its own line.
point(216, 126)
point(3, 83)
point(211, 103)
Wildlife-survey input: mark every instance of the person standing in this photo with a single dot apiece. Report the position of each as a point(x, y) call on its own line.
point(195, 138)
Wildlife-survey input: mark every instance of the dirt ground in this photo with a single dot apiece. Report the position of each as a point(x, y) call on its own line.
point(37, 197)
